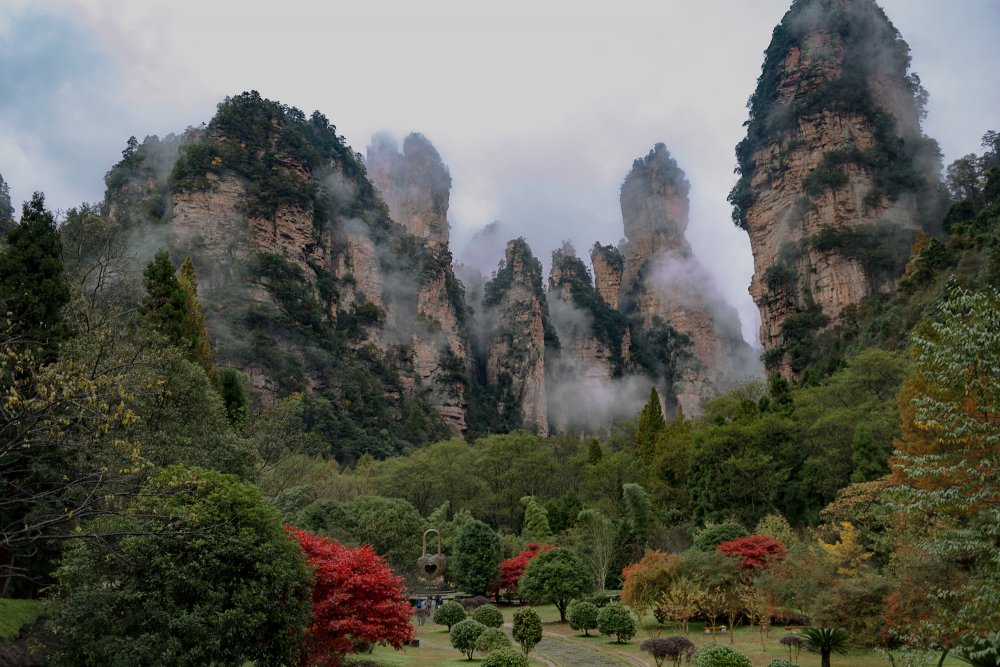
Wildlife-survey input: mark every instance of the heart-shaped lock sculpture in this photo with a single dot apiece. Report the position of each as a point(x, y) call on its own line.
point(432, 566)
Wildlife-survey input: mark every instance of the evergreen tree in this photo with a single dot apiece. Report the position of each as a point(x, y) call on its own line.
point(6, 208)
point(536, 520)
point(476, 559)
point(193, 321)
point(650, 424)
point(33, 286)
point(171, 307)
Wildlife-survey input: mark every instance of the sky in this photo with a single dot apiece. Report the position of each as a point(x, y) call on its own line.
point(537, 107)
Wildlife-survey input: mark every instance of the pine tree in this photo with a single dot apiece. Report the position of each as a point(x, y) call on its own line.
point(650, 424)
point(171, 307)
point(193, 323)
point(536, 520)
point(33, 286)
point(6, 208)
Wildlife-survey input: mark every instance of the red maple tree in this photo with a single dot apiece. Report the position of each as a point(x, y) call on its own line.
point(756, 551)
point(356, 600)
point(512, 569)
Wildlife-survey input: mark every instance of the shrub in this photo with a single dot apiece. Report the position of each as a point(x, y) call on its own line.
point(709, 537)
point(720, 656)
point(780, 662)
point(449, 614)
point(505, 657)
point(488, 615)
point(583, 616)
point(492, 639)
point(616, 620)
point(472, 603)
point(755, 552)
point(465, 634)
point(662, 648)
point(527, 628)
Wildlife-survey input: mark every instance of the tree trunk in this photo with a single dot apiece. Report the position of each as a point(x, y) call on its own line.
point(824, 657)
point(943, 656)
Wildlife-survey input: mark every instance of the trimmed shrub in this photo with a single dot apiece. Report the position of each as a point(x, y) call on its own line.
point(616, 620)
point(491, 640)
point(527, 628)
point(781, 662)
point(465, 634)
point(488, 615)
point(709, 537)
point(449, 614)
point(505, 657)
point(474, 602)
point(720, 656)
point(583, 616)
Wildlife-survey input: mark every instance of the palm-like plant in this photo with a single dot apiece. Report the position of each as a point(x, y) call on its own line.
point(826, 641)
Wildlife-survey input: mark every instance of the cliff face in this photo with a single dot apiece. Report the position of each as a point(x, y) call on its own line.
point(836, 178)
point(515, 306)
point(665, 291)
point(414, 184)
point(309, 284)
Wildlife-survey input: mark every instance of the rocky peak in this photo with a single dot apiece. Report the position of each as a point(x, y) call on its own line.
point(654, 201)
point(515, 305)
point(415, 184)
point(835, 177)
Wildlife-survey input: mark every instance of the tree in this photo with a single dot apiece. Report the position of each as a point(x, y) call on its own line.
point(755, 552)
point(476, 558)
point(648, 426)
point(33, 285)
point(646, 581)
point(712, 535)
point(355, 598)
point(449, 614)
point(680, 602)
point(391, 526)
point(235, 391)
point(527, 630)
point(193, 322)
point(583, 616)
point(492, 639)
point(639, 511)
point(165, 306)
point(6, 208)
point(197, 570)
point(512, 569)
point(557, 575)
point(615, 619)
point(464, 635)
point(594, 537)
point(776, 526)
point(488, 615)
point(536, 520)
point(945, 472)
point(664, 648)
point(825, 641)
point(505, 658)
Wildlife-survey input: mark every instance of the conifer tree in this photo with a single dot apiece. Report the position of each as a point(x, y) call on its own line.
point(649, 425)
point(171, 307)
point(6, 208)
point(193, 321)
point(536, 520)
point(33, 286)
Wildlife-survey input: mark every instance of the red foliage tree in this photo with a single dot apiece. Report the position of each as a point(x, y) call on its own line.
point(356, 599)
point(512, 569)
point(756, 551)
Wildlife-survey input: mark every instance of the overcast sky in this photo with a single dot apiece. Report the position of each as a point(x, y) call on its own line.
point(538, 107)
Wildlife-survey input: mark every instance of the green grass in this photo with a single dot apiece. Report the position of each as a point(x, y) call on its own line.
point(435, 648)
point(15, 614)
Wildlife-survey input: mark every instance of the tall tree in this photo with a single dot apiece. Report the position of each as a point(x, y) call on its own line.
point(536, 520)
point(649, 425)
point(946, 471)
point(556, 576)
point(193, 322)
point(476, 558)
point(6, 208)
point(33, 286)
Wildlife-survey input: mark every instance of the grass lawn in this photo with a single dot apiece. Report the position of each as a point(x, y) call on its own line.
point(15, 614)
point(435, 648)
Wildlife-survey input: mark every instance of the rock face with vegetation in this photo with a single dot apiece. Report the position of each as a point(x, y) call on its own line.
point(836, 178)
point(665, 292)
point(517, 315)
point(308, 282)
